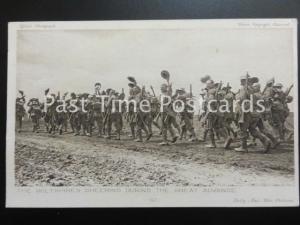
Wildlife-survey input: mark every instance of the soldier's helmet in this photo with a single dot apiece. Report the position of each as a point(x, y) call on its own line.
point(35, 101)
point(131, 85)
point(289, 99)
point(97, 84)
point(278, 85)
point(181, 91)
point(165, 74)
point(253, 80)
point(210, 84)
point(73, 95)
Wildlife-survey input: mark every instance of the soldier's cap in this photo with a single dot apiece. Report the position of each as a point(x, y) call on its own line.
point(245, 77)
point(289, 99)
point(209, 81)
point(97, 84)
point(278, 85)
point(103, 93)
point(85, 95)
point(271, 81)
point(165, 73)
point(108, 90)
point(226, 87)
point(131, 85)
point(181, 90)
point(216, 84)
point(253, 79)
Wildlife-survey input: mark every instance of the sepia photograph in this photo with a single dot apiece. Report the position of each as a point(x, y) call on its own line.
point(152, 113)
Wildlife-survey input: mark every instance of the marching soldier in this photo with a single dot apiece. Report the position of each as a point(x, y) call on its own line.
point(20, 110)
point(113, 115)
point(168, 116)
point(248, 120)
point(186, 116)
point(35, 113)
point(257, 96)
point(210, 108)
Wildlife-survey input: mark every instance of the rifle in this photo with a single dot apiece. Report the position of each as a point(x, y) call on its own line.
point(152, 91)
point(287, 92)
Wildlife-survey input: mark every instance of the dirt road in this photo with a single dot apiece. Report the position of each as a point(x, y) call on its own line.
point(65, 160)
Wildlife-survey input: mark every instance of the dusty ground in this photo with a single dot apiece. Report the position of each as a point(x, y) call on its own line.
point(42, 159)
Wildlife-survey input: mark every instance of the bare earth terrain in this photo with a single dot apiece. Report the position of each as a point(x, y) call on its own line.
point(65, 160)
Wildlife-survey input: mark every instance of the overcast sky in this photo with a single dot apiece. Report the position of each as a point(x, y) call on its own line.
point(74, 60)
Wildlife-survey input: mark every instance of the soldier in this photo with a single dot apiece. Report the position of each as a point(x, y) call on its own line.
point(186, 116)
point(278, 110)
point(20, 110)
point(90, 114)
point(229, 116)
point(210, 108)
point(97, 114)
point(131, 116)
point(257, 96)
point(168, 116)
point(83, 114)
point(113, 115)
point(248, 120)
point(71, 114)
point(35, 113)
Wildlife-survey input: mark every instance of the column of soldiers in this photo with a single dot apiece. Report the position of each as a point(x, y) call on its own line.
point(233, 125)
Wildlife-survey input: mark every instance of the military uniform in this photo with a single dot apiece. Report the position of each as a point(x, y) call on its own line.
point(35, 113)
point(113, 115)
point(248, 121)
point(168, 116)
point(20, 111)
point(210, 117)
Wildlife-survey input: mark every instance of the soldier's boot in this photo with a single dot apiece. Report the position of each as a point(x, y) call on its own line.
point(228, 142)
point(60, 131)
point(291, 134)
point(183, 132)
point(212, 139)
point(165, 140)
point(132, 132)
point(193, 136)
point(203, 138)
point(267, 145)
point(253, 142)
point(99, 133)
point(217, 132)
point(118, 135)
point(90, 131)
point(149, 136)
point(280, 132)
point(243, 147)
point(139, 136)
point(275, 142)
